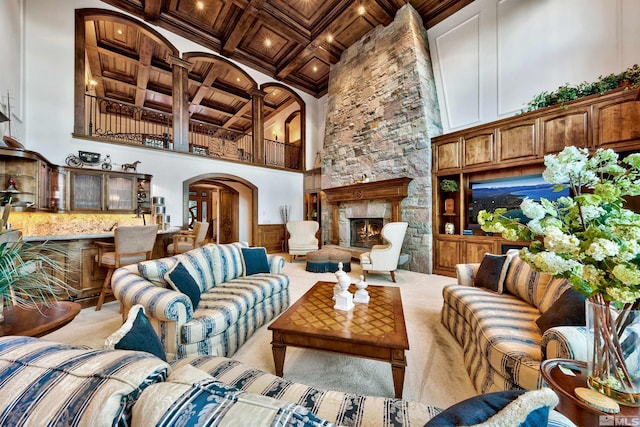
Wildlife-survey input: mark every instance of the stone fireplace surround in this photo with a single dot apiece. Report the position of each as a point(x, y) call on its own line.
point(378, 199)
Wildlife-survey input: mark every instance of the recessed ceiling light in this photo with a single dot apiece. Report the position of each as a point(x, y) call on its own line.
point(238, 79)
point(119, 31)
point(200, 5)
point(361, 10)
point(330, 38)
point(315, 68)
point(267, 42)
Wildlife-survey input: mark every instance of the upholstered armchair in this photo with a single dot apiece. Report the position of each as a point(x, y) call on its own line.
point(185, 240)
point(385, 257)
point(302, 237)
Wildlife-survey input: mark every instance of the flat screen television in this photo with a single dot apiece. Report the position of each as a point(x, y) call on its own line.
point(509, 193)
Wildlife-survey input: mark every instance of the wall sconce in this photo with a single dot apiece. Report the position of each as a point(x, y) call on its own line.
point(275, 135)
point(91, 84)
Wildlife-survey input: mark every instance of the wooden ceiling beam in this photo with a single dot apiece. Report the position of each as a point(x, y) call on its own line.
point(146, 53)
point(241, 28)
point(205, 86)
point(152, 10)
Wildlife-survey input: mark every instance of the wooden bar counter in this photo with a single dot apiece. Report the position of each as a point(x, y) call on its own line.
point(82, 272)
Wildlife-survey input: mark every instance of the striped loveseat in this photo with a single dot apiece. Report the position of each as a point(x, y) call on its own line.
point(502, 343)
point(232, 304)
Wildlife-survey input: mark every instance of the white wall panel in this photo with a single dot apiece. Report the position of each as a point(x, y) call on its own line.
point(525, 47)
point(630, 33)
point(458, 68)
point(545, 44)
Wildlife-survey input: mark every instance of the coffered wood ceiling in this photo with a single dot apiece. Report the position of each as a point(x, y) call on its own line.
point(293, 41)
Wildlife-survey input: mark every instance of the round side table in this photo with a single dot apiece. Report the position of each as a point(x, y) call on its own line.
point(36, 323)
point(570, 406)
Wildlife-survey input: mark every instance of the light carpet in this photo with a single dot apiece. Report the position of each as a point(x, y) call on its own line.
point(435, 373)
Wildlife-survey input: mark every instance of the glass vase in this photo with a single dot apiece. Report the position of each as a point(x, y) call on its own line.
point(613, 349)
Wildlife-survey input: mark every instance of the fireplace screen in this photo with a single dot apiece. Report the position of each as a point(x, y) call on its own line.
point(366, 232)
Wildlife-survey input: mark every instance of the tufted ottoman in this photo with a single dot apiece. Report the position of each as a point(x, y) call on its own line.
point(327, 259)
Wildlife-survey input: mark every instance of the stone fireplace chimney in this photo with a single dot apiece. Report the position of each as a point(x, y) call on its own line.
point(382, 112)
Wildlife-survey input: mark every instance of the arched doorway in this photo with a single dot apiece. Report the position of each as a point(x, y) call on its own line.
point(236, 206)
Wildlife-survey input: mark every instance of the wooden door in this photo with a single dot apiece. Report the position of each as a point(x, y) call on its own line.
point(228, 215)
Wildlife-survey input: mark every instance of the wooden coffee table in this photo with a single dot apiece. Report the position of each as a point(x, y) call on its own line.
point(36, 323)
point(373, 331)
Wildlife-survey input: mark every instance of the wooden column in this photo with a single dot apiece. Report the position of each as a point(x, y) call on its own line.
point(180, 98)
point(257, 97)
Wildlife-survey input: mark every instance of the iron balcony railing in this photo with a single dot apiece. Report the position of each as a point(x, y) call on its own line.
point(129, 124)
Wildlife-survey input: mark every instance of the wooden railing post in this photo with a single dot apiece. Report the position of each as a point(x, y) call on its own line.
point(180, 97)
point(257, 97)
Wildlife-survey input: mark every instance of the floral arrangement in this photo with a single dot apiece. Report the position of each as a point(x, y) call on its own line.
point(590, 238)
point(448, 185)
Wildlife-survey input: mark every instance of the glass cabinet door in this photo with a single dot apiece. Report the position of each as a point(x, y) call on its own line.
point(86, 190)
point(120, 193)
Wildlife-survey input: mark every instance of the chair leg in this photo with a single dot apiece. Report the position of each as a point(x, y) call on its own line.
point(106, 287)
point(393, 276)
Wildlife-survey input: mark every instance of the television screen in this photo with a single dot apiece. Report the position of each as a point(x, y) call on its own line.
point(509, 193)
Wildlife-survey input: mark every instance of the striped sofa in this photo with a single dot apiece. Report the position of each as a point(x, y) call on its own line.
point(47, 383)
point(503, 346)
point(232, 305)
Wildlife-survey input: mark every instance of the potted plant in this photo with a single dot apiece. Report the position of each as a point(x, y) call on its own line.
point(449, 186)
point(592, 240)
point(30, 274)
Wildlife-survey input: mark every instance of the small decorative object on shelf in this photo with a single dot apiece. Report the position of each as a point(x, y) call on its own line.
point(449, 228)
point(11, 185)
point(131, 166)
point(361, 294)
point(343, 298)
point(449, 186)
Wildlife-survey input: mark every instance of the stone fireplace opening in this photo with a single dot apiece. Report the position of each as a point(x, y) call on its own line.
point(366, 232)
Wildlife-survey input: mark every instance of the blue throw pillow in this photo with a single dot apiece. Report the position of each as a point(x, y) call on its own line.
point(255, 260)
point(512, 407)
point(136, 334)
point(181, 280)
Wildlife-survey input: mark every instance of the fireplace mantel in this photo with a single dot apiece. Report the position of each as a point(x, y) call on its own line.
point(392, 190)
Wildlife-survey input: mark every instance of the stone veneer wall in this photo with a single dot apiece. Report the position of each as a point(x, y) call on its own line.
point(382, 112)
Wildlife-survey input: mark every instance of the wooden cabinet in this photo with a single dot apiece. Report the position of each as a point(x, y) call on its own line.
point(94, 190)
point(24, 180)
point(313, 198)
point(515, 147)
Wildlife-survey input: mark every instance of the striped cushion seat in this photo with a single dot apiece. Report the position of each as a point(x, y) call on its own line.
point(224, 304)
point(340, 408)
point(45, 383)
point(193, 397)
point(503, 329)
point(231, 263)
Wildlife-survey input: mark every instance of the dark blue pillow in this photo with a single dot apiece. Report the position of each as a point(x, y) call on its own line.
point(137, 334)
point(180, 279)
point(531, 409)
point(568, 310)
point(255, 260)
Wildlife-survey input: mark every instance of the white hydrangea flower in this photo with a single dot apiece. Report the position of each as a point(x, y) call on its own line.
point(535, 226)
point(551, 263)
point(556, 241)
point(589, 213)
point(629, 275)
point(600, 248)
point(624, 295)
point(592, 275)
point(532, 209)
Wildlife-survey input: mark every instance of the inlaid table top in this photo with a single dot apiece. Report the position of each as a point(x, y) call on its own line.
point(375, 330)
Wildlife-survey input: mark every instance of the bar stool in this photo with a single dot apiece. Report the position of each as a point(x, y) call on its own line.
point(131, 244)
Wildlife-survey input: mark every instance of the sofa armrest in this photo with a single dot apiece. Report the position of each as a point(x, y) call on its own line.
point(276, 263)
point(566, 342)
point(465, 273)
point(159, 303)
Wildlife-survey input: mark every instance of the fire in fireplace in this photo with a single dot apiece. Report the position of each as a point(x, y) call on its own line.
point(366, 232)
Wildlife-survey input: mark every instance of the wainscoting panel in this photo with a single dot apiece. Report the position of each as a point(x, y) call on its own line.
point(271, 236)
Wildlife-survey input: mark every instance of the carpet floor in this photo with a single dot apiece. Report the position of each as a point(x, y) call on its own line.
point(435, 373)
